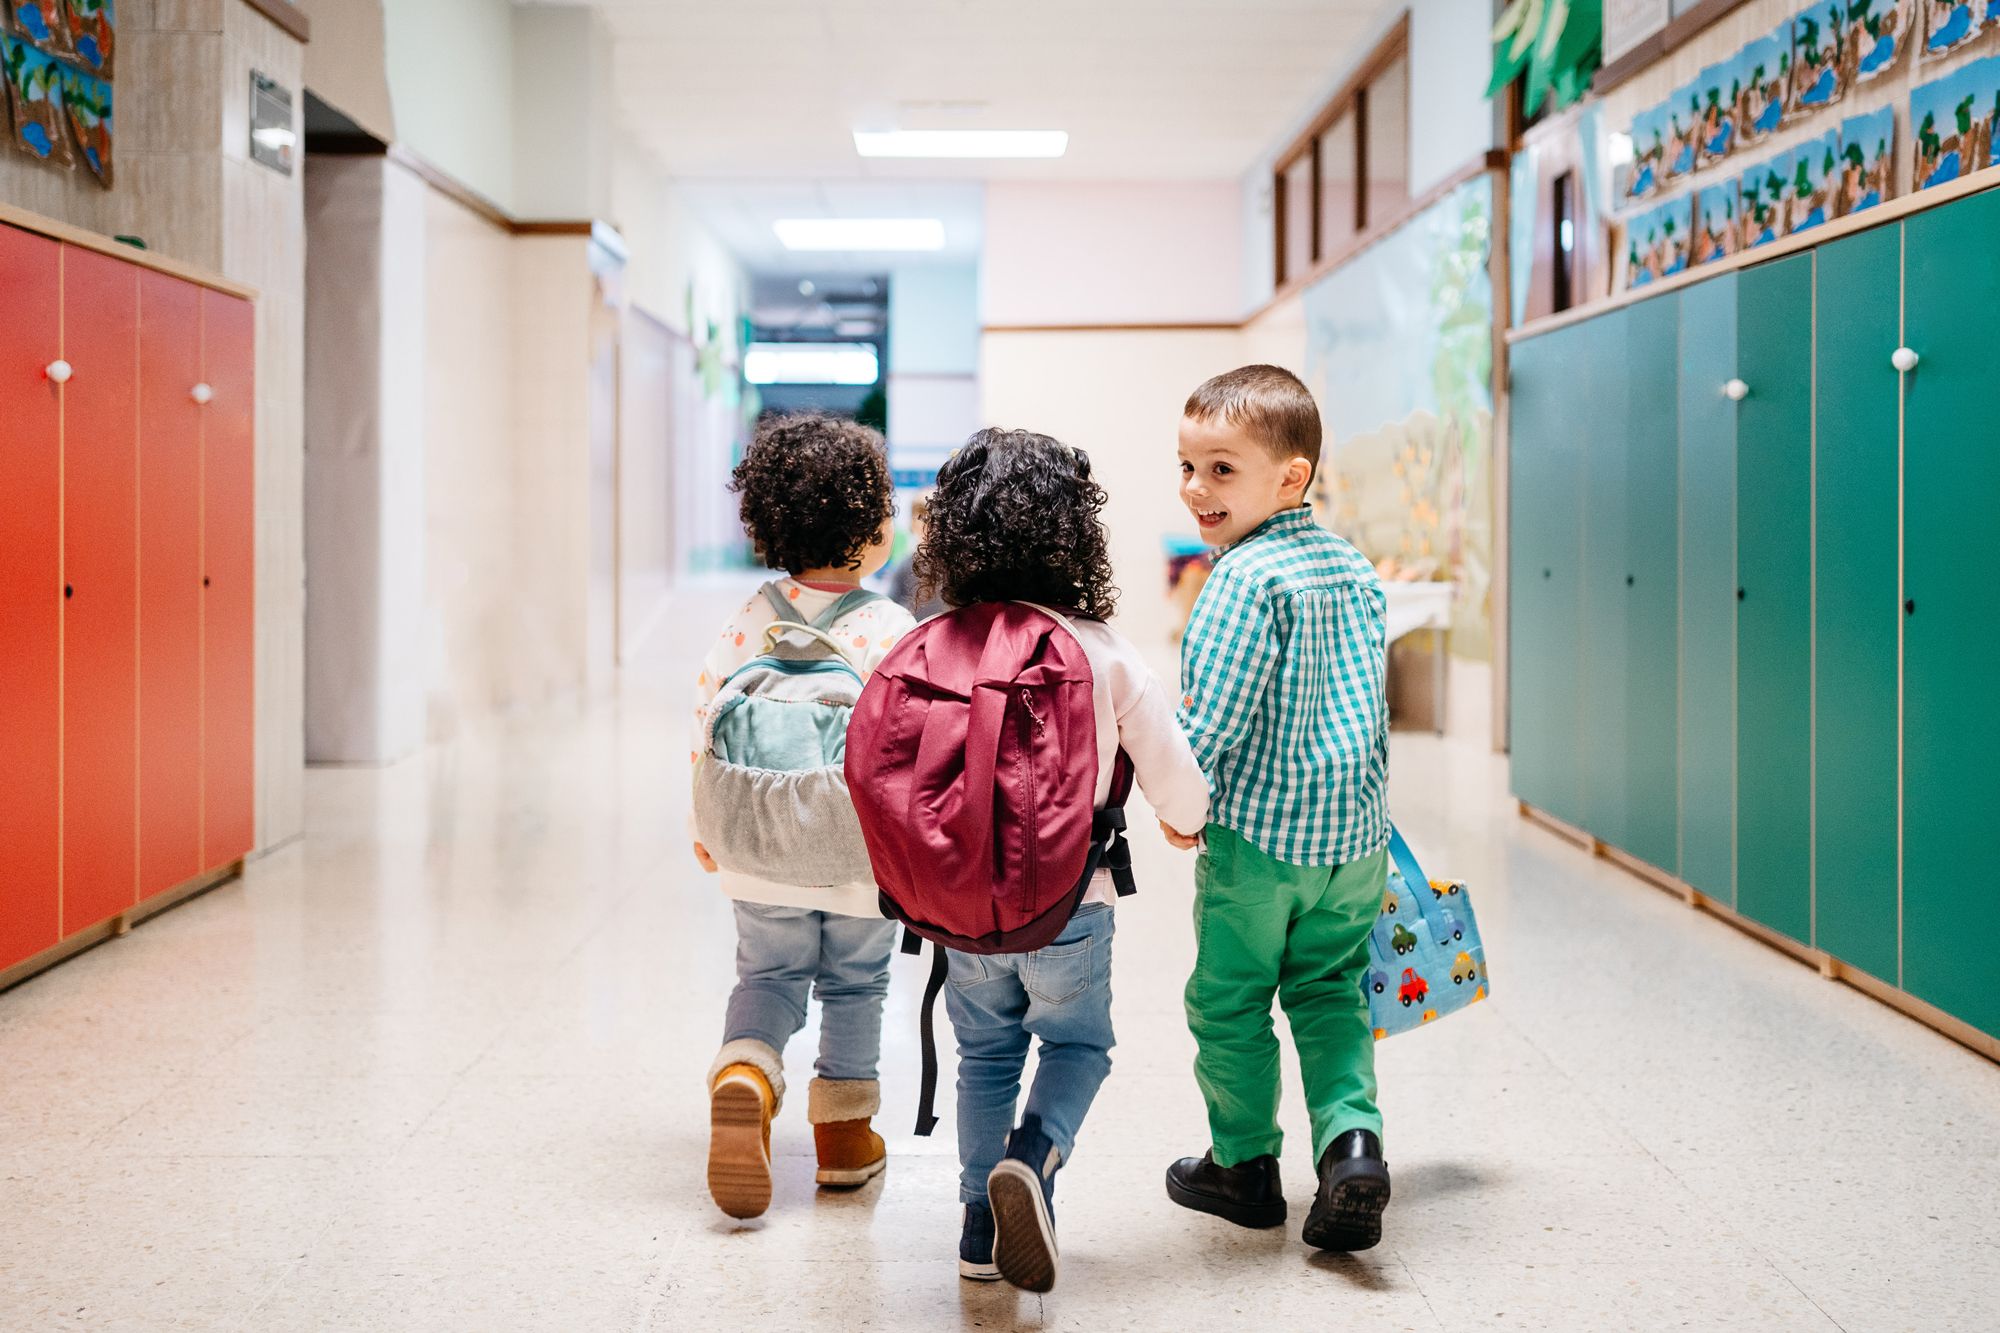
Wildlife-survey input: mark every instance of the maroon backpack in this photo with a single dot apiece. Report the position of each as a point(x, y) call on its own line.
point(972, 760)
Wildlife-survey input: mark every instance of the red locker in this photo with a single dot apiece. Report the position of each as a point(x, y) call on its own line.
point(229, 579)
point(30, 594)
point(169, 583)
point(100, 702)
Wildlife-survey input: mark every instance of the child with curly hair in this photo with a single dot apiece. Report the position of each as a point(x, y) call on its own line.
point(1015, 518)
point(816, 502)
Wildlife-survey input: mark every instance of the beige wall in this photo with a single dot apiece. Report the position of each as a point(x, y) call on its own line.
point(345, 62)
point(186, 185)
point(451, 81)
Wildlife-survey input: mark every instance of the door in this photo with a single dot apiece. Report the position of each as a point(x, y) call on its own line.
point(1951, 552)
point(1856, 607)
point(1601, 377)
point(30, 595)
point(1543, 598)
point(169, 583)
point(1774, 607)
point(100, 707)
point(1707, 778)
point(1652, 581)
point(229, 579)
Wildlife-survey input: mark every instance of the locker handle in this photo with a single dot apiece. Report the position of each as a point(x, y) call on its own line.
point(1904, 359)
point(201, 393)
point(59, 372)
point(1736, 391)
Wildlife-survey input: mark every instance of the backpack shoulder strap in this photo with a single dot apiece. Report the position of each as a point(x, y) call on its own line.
point(779, 602)
point(848, 604)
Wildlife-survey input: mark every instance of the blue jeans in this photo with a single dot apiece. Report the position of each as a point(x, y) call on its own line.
point(785, 953)
point(1061, 994)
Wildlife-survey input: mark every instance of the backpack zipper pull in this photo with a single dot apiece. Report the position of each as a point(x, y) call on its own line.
point(1028, 703)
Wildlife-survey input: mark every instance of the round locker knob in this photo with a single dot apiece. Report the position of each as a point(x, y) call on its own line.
point(59, 371)
point(1736, 390)
point(1904, 359)
point(201, 393)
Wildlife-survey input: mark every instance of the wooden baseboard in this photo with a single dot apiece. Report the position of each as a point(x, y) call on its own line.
point(1828, 966)
point(95, 935)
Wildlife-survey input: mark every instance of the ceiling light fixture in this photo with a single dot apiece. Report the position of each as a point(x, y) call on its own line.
point(961, 143)
point(860, 233)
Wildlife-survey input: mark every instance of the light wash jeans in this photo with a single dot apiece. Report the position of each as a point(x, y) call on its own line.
point(1061, 994)
point(785, 953)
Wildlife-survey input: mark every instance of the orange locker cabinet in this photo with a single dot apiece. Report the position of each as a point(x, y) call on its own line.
point(169, 583)
point(100, 588)
point(30, 595)
point(229, 585)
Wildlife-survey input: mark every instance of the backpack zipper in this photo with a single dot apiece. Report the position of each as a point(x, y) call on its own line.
point(1031, 872)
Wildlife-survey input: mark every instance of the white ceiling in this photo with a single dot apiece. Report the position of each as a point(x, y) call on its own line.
point(771, 90)
point(741, 213)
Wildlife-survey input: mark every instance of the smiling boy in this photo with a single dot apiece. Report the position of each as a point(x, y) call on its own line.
point(1282, 699)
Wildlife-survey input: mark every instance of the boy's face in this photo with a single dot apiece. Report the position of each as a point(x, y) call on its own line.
point(1231, 482)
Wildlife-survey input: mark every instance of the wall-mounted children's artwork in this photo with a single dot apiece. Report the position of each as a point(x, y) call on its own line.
point(87, 103)
point(93, 27)
point(1649, 153)
point(1767, 79)
point(1657, 242)
point(44, 25)
point(1762, 205)
point(1683, 111)
point(1952, 124)
point(1819, 76)
point(1950, 24)
point(1815, 170)
point(1717, 233)
point(1867, 153)
point(34, 88)
point(1721, 92)
point(1877, 35)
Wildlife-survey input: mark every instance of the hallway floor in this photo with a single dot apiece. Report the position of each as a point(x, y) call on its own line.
point(439, 1066)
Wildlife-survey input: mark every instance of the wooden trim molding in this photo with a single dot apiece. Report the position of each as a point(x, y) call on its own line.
point(1220, 326)
point(1396, 42)
point(1828, 966)
point(1882, 215)
point(1678, 33)
point(89, 240)
point(287, 16)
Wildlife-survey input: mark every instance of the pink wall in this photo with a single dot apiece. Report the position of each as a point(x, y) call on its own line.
point(1113, 252)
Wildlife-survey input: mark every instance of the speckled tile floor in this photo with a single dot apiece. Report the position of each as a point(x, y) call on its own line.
point(438, 1066)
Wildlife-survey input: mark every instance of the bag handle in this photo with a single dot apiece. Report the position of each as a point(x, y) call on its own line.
point(1406, 861)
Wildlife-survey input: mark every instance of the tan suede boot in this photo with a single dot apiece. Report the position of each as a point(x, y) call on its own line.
point(851, 1153)
point(743, 1096)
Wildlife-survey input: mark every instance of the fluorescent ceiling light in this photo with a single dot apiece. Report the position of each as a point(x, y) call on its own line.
point(860, 233)
point(961, 143)
point(810, 363)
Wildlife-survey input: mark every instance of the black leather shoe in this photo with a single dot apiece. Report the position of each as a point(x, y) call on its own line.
point(1247, 1194)
point(1353, 1190)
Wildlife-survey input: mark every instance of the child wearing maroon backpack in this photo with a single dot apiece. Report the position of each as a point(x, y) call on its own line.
point(1015, 518)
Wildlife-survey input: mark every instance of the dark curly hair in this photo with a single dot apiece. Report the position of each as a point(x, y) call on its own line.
point(816, 491)
point(1014, 518)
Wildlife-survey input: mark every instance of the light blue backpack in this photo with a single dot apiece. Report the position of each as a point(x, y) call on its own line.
point(1425, 958)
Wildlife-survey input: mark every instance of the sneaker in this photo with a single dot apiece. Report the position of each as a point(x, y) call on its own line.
point(975, 1245)
point(1353, 1190)
point(1021, 1192)
point(1247, 1194)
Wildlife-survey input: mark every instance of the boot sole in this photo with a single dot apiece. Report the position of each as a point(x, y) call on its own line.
point(1024, 1236)
point(1347, 1215)
point(739, 1171)
point(1253, 1216)
point(850, 1177)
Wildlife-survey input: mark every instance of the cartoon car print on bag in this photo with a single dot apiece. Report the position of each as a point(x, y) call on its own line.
point(1378, 981)
point(1403, 940)
point(1392, 902)
point(1441, 887)
point(1414, 989)
point(1463, 969)
point(1447, 929)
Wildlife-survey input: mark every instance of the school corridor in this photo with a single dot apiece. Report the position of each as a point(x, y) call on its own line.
point(439, 1064)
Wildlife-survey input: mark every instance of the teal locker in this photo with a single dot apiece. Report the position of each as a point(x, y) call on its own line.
point(1774, 608)
point(1601, 375)
point(1951, 549)
point(1652, 581)
point(1546, 548)
point(1856, 605)
point(1707, 429)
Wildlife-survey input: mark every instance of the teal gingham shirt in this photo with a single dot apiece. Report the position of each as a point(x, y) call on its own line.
point(1282, 671)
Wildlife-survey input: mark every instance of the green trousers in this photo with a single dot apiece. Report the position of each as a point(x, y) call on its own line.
point(1264, 929)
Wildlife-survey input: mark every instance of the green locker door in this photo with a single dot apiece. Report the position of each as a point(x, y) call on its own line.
point(1601, 374)
point(1708, 589)
point(1774, 610)
point(1855, 602)
point(1545, 502)
point(1652, 581)
point(1951, 551)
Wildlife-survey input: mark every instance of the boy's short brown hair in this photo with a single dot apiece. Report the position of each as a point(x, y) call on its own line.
point(1269, 403)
